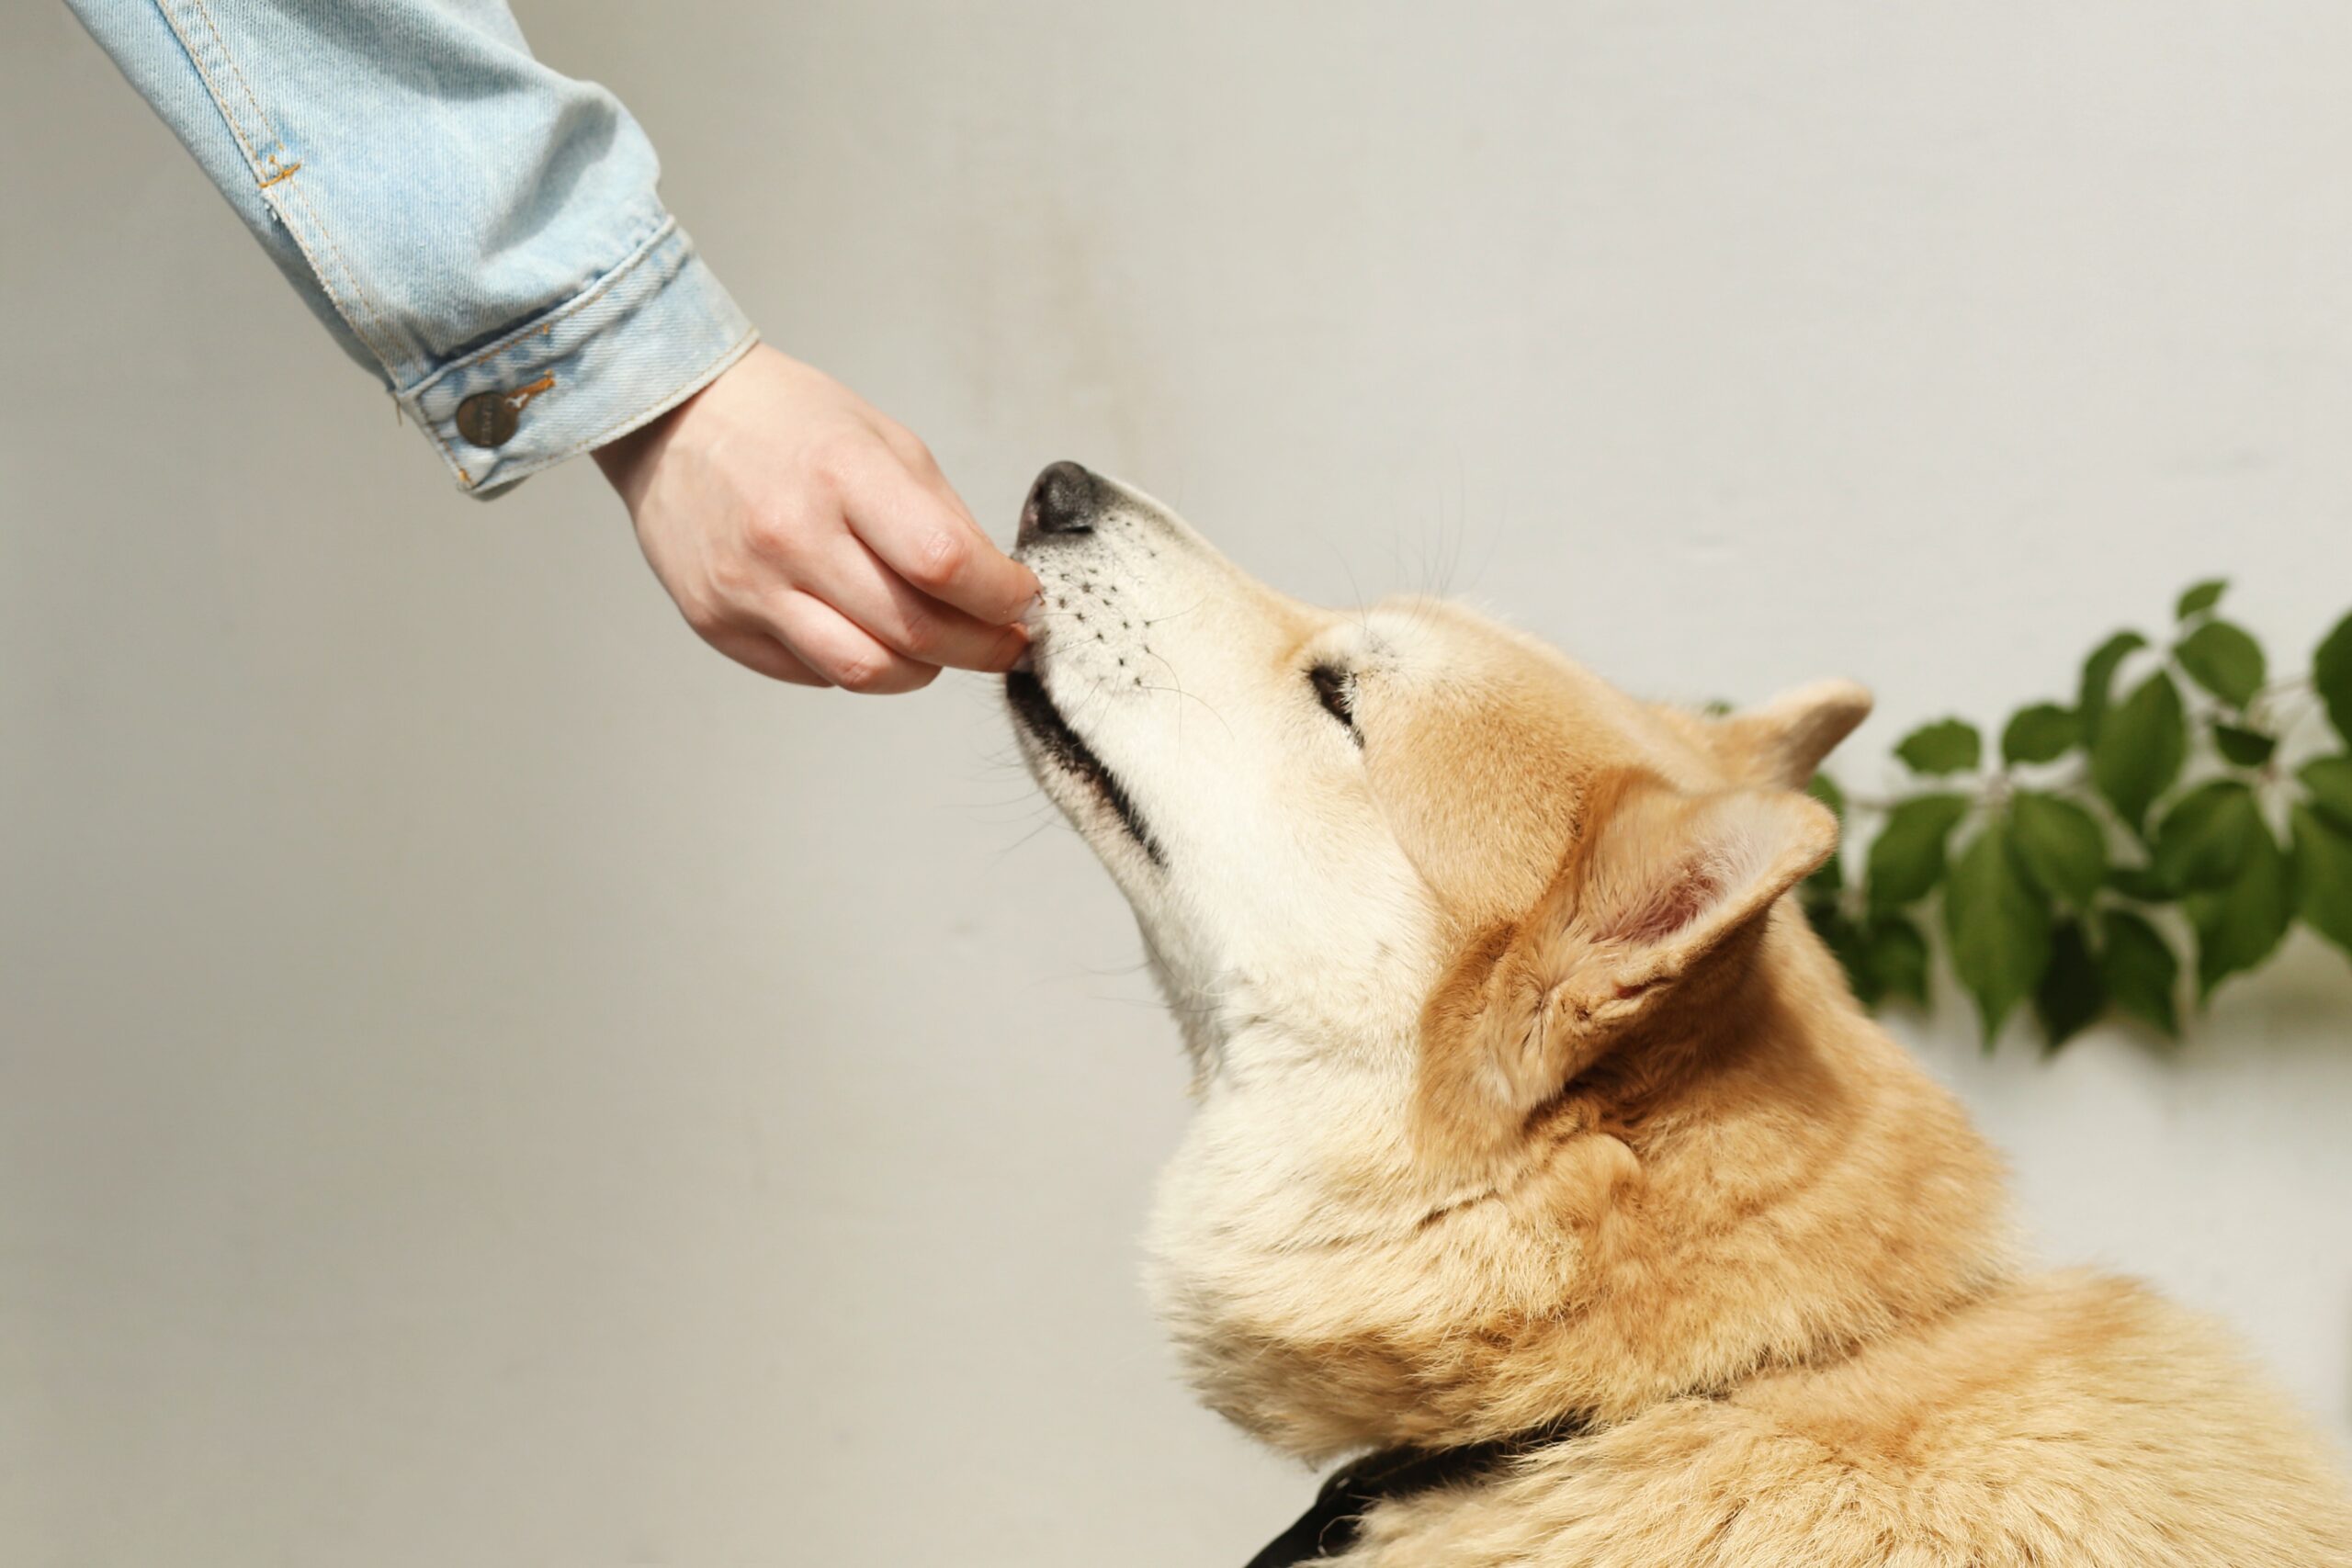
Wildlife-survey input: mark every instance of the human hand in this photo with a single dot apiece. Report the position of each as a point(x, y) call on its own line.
point(807, 535)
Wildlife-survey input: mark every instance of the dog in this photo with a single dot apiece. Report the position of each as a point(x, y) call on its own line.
point(1541, 1151)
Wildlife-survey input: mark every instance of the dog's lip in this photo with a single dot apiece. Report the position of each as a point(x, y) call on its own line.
point(1034, 709)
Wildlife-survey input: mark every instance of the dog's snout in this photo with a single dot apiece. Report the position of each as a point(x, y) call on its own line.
point(1064, 501)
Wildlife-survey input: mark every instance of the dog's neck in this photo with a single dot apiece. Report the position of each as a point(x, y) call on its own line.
point(1675, 1228)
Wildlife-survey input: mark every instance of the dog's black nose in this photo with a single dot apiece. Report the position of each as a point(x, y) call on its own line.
point(1063, 500)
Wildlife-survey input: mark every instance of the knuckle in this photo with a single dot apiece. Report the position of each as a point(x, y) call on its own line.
point(770, 532)
point(862, 672)
point(734, 580)
point(940, 558)
point(835, 457)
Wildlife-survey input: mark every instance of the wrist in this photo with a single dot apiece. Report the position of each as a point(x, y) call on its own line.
point(628, 461)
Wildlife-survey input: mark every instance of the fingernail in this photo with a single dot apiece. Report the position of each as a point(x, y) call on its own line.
point(1031, 605)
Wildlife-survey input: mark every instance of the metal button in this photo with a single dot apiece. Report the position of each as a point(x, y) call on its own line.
point(488, 419)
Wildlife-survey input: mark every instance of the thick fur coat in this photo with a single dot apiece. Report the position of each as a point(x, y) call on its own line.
point(1522, 1092)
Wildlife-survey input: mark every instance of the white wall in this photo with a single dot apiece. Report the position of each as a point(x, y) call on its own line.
point(483, 1081)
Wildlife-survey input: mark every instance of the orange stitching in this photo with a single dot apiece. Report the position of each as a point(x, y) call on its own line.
point(350, 278)
point(305, 241)
point(521, 395)
point(268, 130)
point(219, 100)
point(694, 383)
point(659, 406)
point(383, 339)
point(611, 280)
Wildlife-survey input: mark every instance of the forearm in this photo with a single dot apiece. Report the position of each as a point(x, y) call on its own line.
point(481, 231)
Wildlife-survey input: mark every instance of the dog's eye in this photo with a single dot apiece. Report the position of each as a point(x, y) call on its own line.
point(1336, 690)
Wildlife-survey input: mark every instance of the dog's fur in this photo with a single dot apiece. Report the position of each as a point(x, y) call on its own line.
point(1523, 1092)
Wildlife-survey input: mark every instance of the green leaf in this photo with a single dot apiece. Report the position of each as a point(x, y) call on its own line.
point(2225, 661)
point(1999, 926)
point(1823, 788)
point(1844, 939)
point(2246, 748)
point(1947, 746)
point(2330, 781)
point(1823, 916)
point(1895, 957)
point(2139, 882)
point(2139, 969)
point(2206, 836)
point(2042, 733)
point(2061, 846)
point(2072, 993)
point(2324, 876)
point(2238, 925)
point(1829, 878)
point(2200, 598)
point(2098, 679)
point(2332, 676)
point(2140, 748)
point(1907, 859)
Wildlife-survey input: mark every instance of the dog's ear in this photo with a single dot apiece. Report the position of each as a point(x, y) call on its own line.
point(1782, 741)
point(1658, 886)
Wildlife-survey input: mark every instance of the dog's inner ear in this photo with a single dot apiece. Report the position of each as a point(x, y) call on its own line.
point(1657, 885)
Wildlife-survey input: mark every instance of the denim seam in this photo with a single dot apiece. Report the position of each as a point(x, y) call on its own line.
point(685, 387)
point(238, 74)
point(299, 190)
point(219, 99)
point(280, 173)
point(512, 471)
point(668, 225)
point(545, 324)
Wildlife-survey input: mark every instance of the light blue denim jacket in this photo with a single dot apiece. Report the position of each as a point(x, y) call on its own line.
point(468, 224)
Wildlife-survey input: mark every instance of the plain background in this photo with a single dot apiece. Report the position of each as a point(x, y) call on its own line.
point(484, 1081)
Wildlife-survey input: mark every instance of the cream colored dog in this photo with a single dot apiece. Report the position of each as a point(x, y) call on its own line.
point(1532, 1115)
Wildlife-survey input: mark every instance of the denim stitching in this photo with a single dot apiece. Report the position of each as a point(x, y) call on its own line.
point(688, 385)
point(243, 86)
point(620, 273)
point(195, 58)
point(300, 190)
point(666, 401)
point(384, 335)
point(544, 324)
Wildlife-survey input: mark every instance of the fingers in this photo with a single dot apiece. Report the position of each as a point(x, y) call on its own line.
point(925, 535)
point(854, 581)
point(757, 650)
point(827, 643)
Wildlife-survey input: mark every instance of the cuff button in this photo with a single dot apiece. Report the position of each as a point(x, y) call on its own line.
point(488, 419)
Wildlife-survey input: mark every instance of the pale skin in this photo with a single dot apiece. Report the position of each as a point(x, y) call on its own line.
point(809, 536)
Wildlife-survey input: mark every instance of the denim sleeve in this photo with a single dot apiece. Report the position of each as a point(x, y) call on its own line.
point(481, 231)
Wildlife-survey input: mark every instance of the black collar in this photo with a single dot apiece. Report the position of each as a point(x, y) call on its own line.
point(1330, 1526)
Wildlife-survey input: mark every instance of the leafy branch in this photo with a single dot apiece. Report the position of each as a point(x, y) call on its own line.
point(2113, 834)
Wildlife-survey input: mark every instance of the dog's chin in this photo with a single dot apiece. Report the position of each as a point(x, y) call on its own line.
point(1075, 778)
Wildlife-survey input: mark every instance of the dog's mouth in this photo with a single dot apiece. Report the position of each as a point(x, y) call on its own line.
point(1035, 713)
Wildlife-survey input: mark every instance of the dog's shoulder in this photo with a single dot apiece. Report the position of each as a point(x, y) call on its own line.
point(2066, 1421)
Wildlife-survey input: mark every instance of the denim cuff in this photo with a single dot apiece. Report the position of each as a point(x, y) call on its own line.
point(632, 345)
